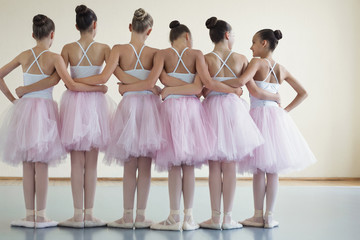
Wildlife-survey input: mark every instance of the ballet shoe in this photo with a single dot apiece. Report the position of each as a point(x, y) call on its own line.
point(46, 223)
point(232, 224)
point(169, 224)
point(23, 222)
point(144, 224)
point(71, 223)
point(189, 224)
point(212, 225)
point(94, 222)
point(269, 221)
point(122, 223)
point(252, 222)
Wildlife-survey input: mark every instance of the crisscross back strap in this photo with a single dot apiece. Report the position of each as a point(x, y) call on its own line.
point(138, 56)
point(180, 60)
point(36, 61)
point(223, 63)
point(85, 53)
point(271, 71)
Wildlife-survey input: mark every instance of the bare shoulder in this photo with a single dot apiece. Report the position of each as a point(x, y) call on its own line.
point(197, 52)
point(154, 50)
point(102, 46)
point(256, 61)
point(210, 58)
point(239, 58)
point(23, 57)
point(118, 47)
point(284, 73)
point(164, 52)
point(54, 57)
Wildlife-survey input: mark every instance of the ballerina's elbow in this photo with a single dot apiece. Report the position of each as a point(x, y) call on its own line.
point(304, 94)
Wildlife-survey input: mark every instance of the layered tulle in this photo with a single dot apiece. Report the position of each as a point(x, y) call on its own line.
point(236, 133)
point(85, 120)
point(188, 137)
point(285, 149)
point(135, 129)
point(30, 132)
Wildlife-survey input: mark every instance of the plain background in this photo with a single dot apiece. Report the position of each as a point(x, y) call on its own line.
point(320, 46)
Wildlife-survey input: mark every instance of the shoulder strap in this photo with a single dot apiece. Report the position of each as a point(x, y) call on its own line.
point(271, 71)
point(84, 53)
point(223, 63)
point(138, 56)
point(36, 61)
point(180, 60)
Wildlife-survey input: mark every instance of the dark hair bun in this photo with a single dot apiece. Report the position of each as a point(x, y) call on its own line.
point(211, 22)
point(278, 34)
point(174, 24)
point(39, 20)
point(81, 9)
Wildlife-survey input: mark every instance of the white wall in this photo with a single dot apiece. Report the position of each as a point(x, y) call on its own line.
point(319, 46)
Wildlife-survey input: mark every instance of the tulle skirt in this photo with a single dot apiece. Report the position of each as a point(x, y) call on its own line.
point(285, 149)
point(135, 129)
point(30, 132)
point(236, 133)
point(188, 136)
point(85, 120)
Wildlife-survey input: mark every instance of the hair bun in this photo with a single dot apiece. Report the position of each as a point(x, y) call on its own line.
point(278, 34)
point(140, 14)
point(39, 20)
point(81, 9)
point(174, 24)
point(211, 22)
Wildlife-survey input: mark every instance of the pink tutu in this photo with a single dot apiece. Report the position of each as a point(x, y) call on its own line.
point(85, 120)
point(284, 150)
point(188, 137)
point(135, 129)
point(30, 133)
point(237, 135)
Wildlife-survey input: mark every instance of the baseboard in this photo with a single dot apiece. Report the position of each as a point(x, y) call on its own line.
point(104, 179)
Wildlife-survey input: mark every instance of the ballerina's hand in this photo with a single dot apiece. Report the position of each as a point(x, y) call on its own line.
point(122, 89)
point(20, 91)
point(104, 88)
point(279, 99)
point(238, 91)
point(205, 92)
point(156, 90)
point(165, 92)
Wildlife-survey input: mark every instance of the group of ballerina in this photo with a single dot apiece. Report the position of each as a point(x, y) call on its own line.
point(171, 127)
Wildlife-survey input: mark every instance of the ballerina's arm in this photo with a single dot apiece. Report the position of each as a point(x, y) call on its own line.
point(60, 67)
point(211, 84)
point(5, 70)
point(187, 89)
point(150, 82)
point(295, 84)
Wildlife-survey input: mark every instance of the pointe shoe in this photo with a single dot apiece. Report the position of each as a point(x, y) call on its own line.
point(269, 221)
point(24, 222)
point(232, 224)
point(251, 222)
point(212, 225)
point(93, 223)
point(189, 224)
point(169, 224)
point(47, 222)
point(145, 223)
point(122, 223)
point(71, 223)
